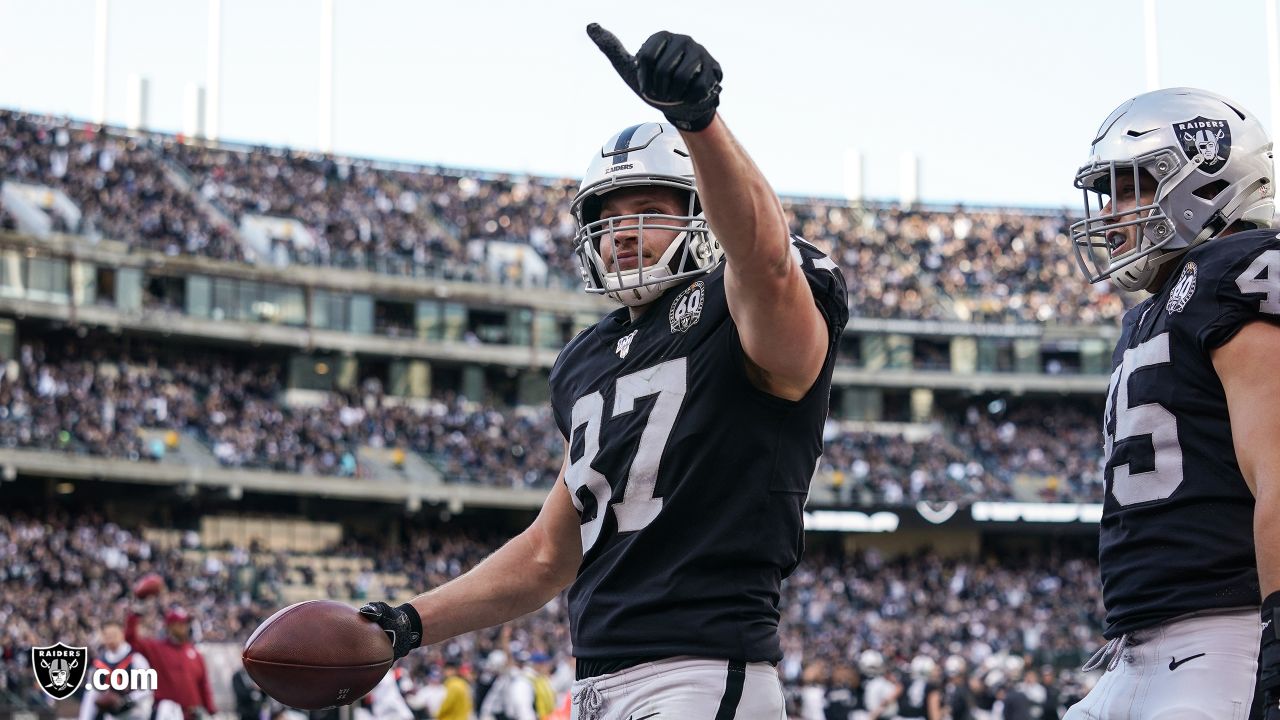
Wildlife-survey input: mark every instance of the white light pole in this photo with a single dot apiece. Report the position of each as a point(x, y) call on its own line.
point(1273, 68)
point(194, 114)
point(909, 179)
point(101, 23)
point(213, 84)
point(854, 176)
point(1153, 47)
point(138, 103)
point(326, 75)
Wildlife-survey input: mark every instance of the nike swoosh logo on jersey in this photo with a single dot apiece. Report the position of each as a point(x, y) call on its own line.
point(642, 717)
point(1174, 663)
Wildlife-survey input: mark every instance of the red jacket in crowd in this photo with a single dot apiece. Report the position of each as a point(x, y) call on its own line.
point(180, 671)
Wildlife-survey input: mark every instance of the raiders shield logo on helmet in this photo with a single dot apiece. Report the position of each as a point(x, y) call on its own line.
point(1205, 142)
point(59, 668)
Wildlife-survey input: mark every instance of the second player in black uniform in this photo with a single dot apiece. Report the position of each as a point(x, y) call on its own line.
point(692, 420)
point(1187, 177)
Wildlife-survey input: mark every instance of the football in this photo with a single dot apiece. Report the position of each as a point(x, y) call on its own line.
point(317, 654)
point(148, 585)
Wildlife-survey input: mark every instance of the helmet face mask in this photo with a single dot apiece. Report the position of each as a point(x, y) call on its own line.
point(646, 155)
point(1133, 189)
point(1198, 164)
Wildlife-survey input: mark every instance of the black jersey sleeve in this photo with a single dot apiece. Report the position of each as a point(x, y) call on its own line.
point(826, 281)
point(1243, 271)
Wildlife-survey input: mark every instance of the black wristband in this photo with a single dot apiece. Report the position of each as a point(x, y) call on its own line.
point(415, 624)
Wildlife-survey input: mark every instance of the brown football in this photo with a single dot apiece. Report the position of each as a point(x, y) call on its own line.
point(317, 654)
point(148, 585)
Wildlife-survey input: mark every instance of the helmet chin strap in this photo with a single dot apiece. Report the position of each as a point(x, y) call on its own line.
point(1139, 274)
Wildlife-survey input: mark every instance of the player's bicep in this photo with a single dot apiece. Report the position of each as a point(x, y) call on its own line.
point(1252, 387)
point(784, 335)
point(555, 534)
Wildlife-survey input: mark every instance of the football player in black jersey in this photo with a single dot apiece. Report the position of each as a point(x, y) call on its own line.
point(692, 419)
point(1183, 181)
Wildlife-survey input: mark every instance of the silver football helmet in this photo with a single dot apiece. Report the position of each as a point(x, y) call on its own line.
point(1210, 162)
point(644, 154)
point(923, 667)
point(871, 663)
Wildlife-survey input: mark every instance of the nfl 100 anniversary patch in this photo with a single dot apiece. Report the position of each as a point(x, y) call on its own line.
point(686, 309)
point(1183, 289)
point(624, 344)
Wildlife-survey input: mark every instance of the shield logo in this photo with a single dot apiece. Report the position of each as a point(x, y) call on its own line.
point(59, 668)
point(1205, 141)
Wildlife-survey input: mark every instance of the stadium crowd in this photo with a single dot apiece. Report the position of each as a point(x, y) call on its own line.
point(62, 576)
point(161, 192)
point(118, 184)
point(93, 397)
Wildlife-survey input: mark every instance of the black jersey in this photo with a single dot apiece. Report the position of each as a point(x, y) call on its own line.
point(914, 701)
point(689, 481)
point(840, 702)
point(1177, 521)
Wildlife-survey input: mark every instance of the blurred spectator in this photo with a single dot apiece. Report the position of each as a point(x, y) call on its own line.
point(182, 685)
point(115, 654)
point(457, 702)
point(251, 702)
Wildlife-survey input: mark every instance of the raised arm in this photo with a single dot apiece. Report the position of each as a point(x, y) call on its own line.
point(783, 334)
point(134, 636)
point(782, 331)
point(520, 577)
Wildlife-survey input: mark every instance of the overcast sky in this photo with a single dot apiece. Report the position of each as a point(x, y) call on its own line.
point(999, 99)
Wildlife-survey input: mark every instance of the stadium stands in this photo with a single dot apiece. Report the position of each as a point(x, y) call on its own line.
point(62, 576)
point(93, 397)
point(146, 398)
point(160, 192)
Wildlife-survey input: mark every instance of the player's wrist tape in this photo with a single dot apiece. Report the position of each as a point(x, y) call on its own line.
point(415, 624)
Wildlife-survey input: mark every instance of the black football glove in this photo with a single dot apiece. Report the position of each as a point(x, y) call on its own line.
point(401, 624)
point(671, 72)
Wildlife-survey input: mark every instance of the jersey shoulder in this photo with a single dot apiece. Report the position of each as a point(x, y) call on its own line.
point(825, 280)
point(571, 356)
point(1227, 283)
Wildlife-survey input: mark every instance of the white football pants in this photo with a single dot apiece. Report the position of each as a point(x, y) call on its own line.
point(1200, 667)
point(682, 688)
